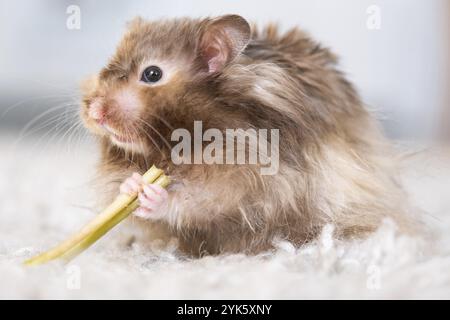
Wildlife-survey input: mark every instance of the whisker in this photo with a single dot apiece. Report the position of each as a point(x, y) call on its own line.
point(153, 141)
point(157, 132)
point(41, 115)
point(17, 104)
point(163, 121)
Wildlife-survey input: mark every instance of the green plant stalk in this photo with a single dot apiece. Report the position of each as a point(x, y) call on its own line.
point(121, 207)
point(162, 181)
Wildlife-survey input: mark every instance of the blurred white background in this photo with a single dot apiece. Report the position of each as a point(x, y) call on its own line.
point(401, 69)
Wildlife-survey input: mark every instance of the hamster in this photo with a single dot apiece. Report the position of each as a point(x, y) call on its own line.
point(334, 164)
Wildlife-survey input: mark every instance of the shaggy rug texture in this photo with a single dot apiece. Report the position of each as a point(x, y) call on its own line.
point(45, 197)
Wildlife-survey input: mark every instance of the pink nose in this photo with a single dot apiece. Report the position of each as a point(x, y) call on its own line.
point(97, 111)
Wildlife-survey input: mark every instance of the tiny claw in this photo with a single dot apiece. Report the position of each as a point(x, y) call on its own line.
point(152, 199)
point(132, 185)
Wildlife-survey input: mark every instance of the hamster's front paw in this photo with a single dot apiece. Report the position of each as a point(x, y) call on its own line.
point(132, 185)
point(152, 197)
point(153, 202)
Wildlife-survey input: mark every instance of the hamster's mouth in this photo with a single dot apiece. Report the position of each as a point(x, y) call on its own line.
point(121, 139)
point(114, 134)
point(118, 138)
point(126, 142)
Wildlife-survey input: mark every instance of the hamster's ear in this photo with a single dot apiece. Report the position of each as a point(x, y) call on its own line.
point(222, 40)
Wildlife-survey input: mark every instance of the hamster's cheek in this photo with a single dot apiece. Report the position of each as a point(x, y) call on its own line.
point(127, 99)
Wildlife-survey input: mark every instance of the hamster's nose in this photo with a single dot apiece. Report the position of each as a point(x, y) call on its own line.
point(97, 111)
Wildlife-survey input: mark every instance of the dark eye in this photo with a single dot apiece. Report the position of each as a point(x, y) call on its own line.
point(151, 74)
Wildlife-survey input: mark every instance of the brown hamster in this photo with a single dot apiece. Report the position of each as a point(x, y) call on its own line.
point(334, 164)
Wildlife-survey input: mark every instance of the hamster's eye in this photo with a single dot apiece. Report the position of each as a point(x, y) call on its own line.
point(151, 74)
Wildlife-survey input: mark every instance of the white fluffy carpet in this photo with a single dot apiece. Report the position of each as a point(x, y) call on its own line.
point(45, 198)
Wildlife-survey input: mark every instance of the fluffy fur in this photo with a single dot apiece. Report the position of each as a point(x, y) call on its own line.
point(40, 208)
point(335, 165)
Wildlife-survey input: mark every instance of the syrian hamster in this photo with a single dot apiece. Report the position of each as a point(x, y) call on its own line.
point(334, 165)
